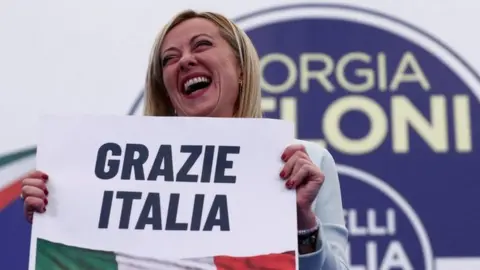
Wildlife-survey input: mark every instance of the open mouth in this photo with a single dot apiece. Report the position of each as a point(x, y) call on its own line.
point(195, 84)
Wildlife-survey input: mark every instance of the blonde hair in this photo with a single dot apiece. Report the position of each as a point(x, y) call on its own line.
point(157, 102)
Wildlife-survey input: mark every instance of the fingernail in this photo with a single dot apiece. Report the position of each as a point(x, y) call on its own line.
point(282, 174)
point(46, 201)
point(46, 191)
point(283, 157)
point(289, 184)
point(44, 209)
point(45, 177)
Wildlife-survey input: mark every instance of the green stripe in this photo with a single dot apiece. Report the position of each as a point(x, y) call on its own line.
point(15, 156)
point(55, 256)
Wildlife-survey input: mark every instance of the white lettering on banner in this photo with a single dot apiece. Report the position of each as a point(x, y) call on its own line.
point(395, 255)
point(395, 258)
point(408, 70)
point(372, 227)
point(367, 72)
point(404, 116)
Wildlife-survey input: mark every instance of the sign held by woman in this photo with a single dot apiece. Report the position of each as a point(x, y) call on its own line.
point(162, 191)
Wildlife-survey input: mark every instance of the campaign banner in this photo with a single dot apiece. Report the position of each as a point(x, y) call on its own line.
point(129, 192)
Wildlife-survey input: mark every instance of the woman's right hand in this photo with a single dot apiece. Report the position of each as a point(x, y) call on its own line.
point(34, 193)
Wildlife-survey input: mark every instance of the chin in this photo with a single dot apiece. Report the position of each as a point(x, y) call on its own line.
point(200, 112)
point(201, 106)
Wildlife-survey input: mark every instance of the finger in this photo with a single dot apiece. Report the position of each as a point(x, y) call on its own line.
point(29, 218)
point(36, 174)
point(298, 158)
point(302, 160)
point(29, 211)
point(33, 187)
point(36, 182)
point(291, 149)
point(300, 177)
point(35, 204)
point(39, 174)
point(288, 166)
point(32, 191)
point(28, 214)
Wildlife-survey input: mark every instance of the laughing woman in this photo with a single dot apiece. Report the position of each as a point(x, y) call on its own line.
point(202, 64)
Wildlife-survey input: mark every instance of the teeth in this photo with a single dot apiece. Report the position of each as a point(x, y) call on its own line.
point(194, 81)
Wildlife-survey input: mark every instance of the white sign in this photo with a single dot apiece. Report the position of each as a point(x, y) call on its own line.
point(170, 192)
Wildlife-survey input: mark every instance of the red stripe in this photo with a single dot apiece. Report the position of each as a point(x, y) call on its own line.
point(10, 194)
point(282, 261)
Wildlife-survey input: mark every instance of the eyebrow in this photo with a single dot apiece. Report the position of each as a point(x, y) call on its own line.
point(191, 41)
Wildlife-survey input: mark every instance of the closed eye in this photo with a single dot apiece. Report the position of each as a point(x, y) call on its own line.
point(202, 43)
point(165, 60)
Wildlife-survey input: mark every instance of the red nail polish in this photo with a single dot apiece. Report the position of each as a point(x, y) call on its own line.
point(289, 184)
point(46, 201)
point(45, 177)
point(282, 174)
point(45, 191)
point(283, 157)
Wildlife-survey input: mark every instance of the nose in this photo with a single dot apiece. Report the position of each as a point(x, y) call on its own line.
point(187, 62)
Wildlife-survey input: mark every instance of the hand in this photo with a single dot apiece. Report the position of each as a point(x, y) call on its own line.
point(304, 176)
point(34, 193)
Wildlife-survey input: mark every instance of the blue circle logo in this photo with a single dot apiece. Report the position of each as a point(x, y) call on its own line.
point(394, 105)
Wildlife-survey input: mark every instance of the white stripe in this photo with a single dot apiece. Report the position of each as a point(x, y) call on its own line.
point(456, 263)
point(134, 263)
point(16, 169)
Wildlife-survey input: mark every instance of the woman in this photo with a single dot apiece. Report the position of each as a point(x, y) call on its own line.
point(204, 65)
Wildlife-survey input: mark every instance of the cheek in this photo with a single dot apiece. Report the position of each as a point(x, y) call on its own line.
point(230, 73)
point(234, 79)
point(169, 80)
point(231, 87)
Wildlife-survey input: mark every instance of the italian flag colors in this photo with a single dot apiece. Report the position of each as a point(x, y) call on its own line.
point(55, 256)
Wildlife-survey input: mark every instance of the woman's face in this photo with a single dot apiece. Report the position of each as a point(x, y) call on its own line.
point(200, 71)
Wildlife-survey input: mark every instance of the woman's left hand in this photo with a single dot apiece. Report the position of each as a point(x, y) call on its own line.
point(304, 176)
